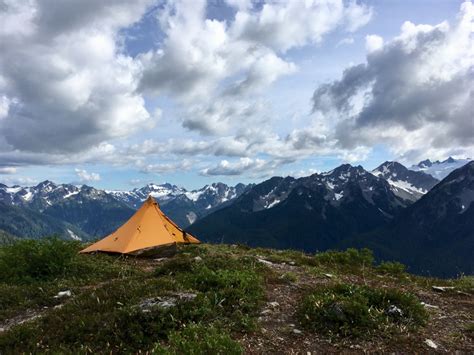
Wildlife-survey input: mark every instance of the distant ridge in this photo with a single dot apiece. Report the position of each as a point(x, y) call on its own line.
point(440, 169)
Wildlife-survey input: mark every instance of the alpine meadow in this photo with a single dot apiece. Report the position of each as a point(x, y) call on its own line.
point(236, 177)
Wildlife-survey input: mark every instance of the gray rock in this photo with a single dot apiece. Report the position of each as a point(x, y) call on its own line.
point(62, 294)
point(263, 261)
point(273, 304)
point(431, 344)
point(442, 288)
point(394, 311)
point(426, 305)
point(165, 302)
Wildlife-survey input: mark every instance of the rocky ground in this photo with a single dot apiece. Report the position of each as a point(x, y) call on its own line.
point(450, 313)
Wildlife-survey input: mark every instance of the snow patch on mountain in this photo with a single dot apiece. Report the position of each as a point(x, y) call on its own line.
point(73, 235)
point(272, 204)
point(440, 169)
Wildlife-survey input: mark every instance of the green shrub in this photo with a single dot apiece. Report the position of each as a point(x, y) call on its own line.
point(464, 284)
point(391, 268)
point(348, 258)
point(50, 259)
point(174, 266)
point(234, 286)
point(106, 318)
point(30, 260)
point(230, 289)
point(198, 339)
point(350, 310)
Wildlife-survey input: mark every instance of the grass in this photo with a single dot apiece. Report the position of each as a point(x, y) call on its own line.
point(391, 268)
point(197, 339)
point(464, 284)
point(106, 317)
point(32, 272)
point(50, 259)
point(360, 311)
point(106, 314)
point(350, 258)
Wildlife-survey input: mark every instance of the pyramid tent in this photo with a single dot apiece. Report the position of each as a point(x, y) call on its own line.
point(148, 231)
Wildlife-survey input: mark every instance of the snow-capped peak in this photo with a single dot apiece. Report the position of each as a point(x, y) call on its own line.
point(440, 169)
point(407, 184)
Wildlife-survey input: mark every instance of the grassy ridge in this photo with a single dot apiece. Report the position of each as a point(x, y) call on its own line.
point(114, 305)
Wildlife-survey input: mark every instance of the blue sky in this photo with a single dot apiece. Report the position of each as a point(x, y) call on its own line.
point(116, 94)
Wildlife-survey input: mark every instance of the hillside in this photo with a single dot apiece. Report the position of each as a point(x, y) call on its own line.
point(96, 213)
point(225, 299)
point(405, 183)
point(28, 223)
point(435, 235)
point(311, 213)
point(350, 207)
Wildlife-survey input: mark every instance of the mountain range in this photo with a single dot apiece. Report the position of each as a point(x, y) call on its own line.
point(389, 209)
point(440, 169)
point(83, 212)
point(310, 213)
point(435, 235)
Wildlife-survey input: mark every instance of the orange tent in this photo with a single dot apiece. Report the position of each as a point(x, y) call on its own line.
point(148, 231)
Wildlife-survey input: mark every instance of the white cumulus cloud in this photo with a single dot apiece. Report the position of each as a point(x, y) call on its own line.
point(414, 93)
point(85, 176)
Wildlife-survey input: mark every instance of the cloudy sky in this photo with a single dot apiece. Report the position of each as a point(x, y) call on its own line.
point(119, 93)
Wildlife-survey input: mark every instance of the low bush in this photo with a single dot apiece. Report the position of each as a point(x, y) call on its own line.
point(31, 260)
point(391, 268)
point(109, 317)
point(348, 258)
point(197, 339)
point(233, 285)
point(232, 290)
point(464, 284)
point(350, 310)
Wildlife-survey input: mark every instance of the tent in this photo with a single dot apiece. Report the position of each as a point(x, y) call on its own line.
point(148, 231)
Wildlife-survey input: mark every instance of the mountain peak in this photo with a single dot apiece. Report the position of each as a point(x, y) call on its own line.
point(450, 160)
point(344, 170)
point(407, 184)
point(439, 169)
point(425, 163)
point(390, 165)
point(45, 183)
